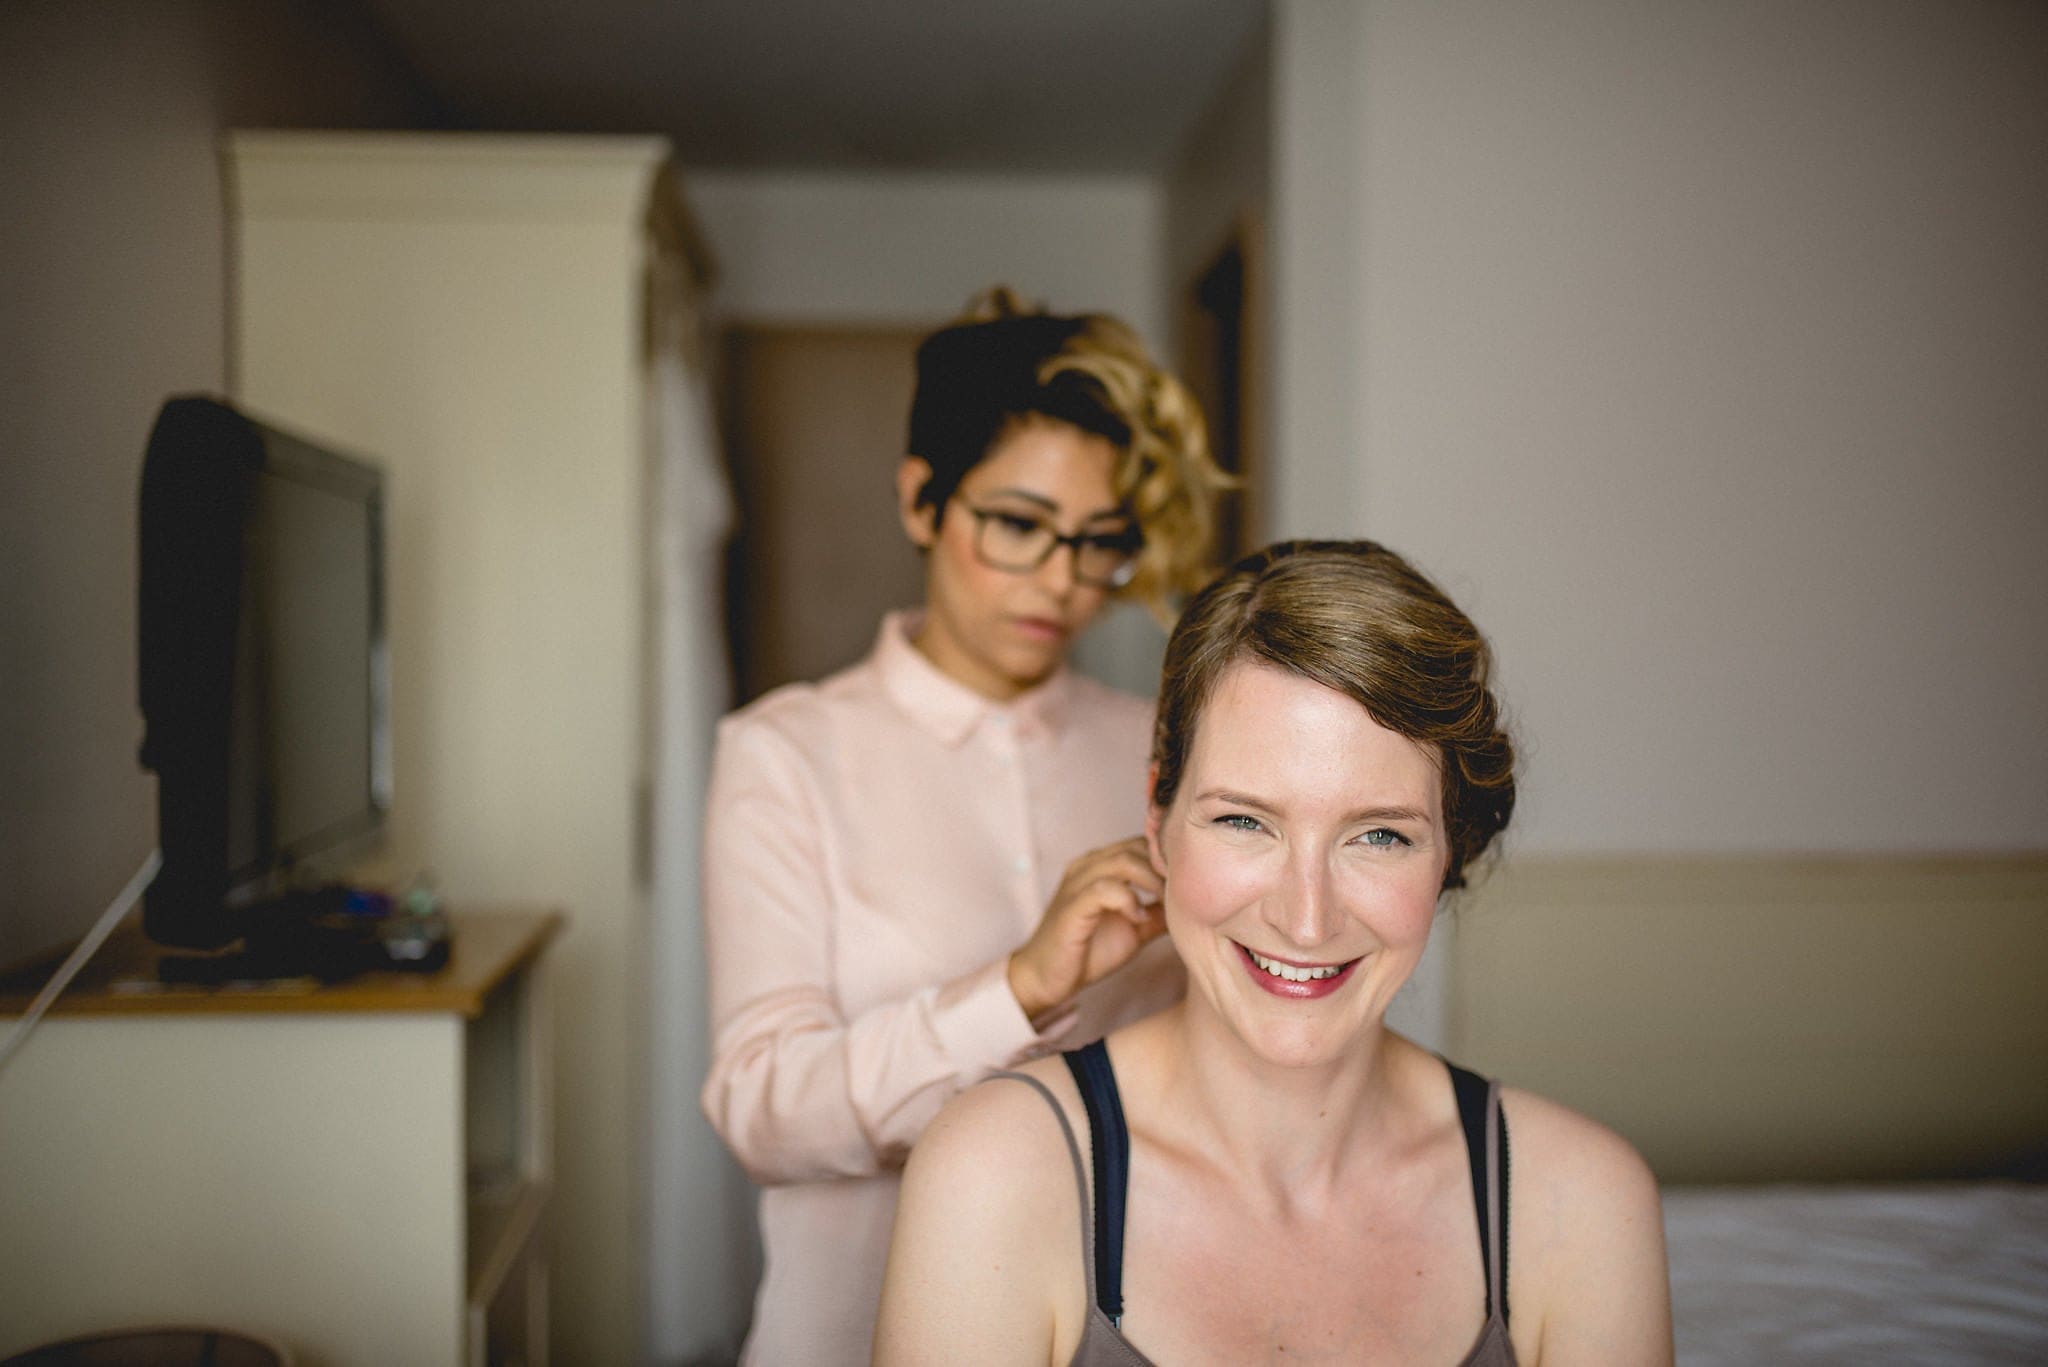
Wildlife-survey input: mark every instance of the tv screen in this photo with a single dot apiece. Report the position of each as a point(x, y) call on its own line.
point(263, 670)
point(305, 763)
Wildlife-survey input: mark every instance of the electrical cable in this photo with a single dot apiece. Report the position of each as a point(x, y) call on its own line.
point(87, 947)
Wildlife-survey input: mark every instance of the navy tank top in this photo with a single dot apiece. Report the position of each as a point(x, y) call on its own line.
point(1102, 1217)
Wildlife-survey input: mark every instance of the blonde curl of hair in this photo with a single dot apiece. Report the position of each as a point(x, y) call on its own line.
point(1165, 473)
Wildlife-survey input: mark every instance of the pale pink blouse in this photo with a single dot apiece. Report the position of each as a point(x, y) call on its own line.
point(876, 846)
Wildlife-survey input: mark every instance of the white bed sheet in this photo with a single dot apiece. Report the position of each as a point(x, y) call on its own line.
point(1936, 1274)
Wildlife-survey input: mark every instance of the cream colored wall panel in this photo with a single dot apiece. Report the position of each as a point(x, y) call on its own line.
point(281, 1152)
point(499, 414)
point(1750, 1018)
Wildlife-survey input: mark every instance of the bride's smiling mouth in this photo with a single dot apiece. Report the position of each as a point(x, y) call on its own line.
point(1286, 978)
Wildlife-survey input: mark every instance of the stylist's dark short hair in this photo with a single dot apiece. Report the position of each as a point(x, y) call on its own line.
point(1002, 364)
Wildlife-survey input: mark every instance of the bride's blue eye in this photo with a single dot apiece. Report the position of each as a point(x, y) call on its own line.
point(1382, 838)
point(1238, 821)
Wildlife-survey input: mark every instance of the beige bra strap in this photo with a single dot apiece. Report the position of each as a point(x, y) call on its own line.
point(1080, 1175)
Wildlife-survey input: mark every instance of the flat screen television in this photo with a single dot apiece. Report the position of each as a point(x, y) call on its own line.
point(263, 674)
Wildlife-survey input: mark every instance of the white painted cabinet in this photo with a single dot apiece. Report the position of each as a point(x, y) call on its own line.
point(468, 311)
point(360, 1172)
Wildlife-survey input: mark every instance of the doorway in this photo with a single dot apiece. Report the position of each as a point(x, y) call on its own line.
point(815, 420)
point(1223, 363)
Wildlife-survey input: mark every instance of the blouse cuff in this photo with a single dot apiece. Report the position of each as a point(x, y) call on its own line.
point(983, 1026)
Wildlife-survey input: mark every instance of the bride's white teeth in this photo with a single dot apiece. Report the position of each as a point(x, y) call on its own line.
point(1291, 973)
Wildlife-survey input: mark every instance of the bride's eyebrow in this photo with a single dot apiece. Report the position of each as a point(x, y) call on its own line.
point(1376, 812)
point(1234, 799)
point(1415, 814)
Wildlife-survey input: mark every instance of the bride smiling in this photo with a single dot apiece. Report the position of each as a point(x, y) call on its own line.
point(1276, 1175)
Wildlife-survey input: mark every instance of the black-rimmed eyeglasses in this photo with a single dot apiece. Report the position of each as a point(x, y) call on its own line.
point(1019, 542)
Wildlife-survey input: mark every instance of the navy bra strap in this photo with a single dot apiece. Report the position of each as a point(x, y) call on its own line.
point(1476, 1107)
point(1110, 1142)
point(1500, 1120)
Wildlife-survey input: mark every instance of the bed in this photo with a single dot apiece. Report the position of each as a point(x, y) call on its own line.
point(1919, 1273)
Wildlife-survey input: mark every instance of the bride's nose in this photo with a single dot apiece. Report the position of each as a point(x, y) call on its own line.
point(1304, 906)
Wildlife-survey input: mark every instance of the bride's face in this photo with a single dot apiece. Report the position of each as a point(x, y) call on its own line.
point(1303, 855)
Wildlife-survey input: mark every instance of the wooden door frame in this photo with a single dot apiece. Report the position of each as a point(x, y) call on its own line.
point(1244, 234)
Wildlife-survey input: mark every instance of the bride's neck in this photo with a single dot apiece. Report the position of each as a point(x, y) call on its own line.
point(1295, 1127)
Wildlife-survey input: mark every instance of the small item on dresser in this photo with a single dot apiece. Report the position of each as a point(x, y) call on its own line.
point(415, 936)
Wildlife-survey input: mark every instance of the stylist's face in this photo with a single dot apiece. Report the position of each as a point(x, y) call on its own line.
point(1000, 631)
point(1302, 856)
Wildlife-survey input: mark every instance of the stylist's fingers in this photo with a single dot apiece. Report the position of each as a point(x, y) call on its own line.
point(1126, 859)
point(1117, 938)
point(1122, 925)
point(1079, 915)
point(1104, 898)
point(1104, 912)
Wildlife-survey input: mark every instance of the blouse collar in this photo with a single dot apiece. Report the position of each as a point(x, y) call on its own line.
point(948, 709)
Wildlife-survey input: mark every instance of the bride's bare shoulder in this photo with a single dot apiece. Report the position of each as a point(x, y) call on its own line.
point(982, 1261)
point(1002, 1120)
point(1588, 1237)
point(1565, 1146)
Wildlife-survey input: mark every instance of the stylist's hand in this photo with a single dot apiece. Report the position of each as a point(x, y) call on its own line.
point(1106, 910)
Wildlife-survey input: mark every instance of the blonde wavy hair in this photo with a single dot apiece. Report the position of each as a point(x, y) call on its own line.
point(1164, 473)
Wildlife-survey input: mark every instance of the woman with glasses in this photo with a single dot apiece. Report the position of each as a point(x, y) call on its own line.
point(927, 868)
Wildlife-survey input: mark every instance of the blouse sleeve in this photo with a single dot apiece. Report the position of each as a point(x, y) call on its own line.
point(798, 1091)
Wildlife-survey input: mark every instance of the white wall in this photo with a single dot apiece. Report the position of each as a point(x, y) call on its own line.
point(888, 248)
point(1314, 483)
point(112, 297)
point(1316, 242)
point(1699, 352)
point(1218, 194)
point(912, 249)
point(1222, 173)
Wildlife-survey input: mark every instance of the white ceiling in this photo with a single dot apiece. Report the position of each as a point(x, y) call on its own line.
point(1107, 86)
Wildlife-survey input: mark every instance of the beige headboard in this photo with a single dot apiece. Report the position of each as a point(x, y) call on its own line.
point(1745, 1019)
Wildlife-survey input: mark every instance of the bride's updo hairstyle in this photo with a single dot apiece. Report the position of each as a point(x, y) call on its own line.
point(1355, 617)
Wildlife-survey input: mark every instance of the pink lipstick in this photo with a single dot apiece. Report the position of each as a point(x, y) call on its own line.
point(1298, 981)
